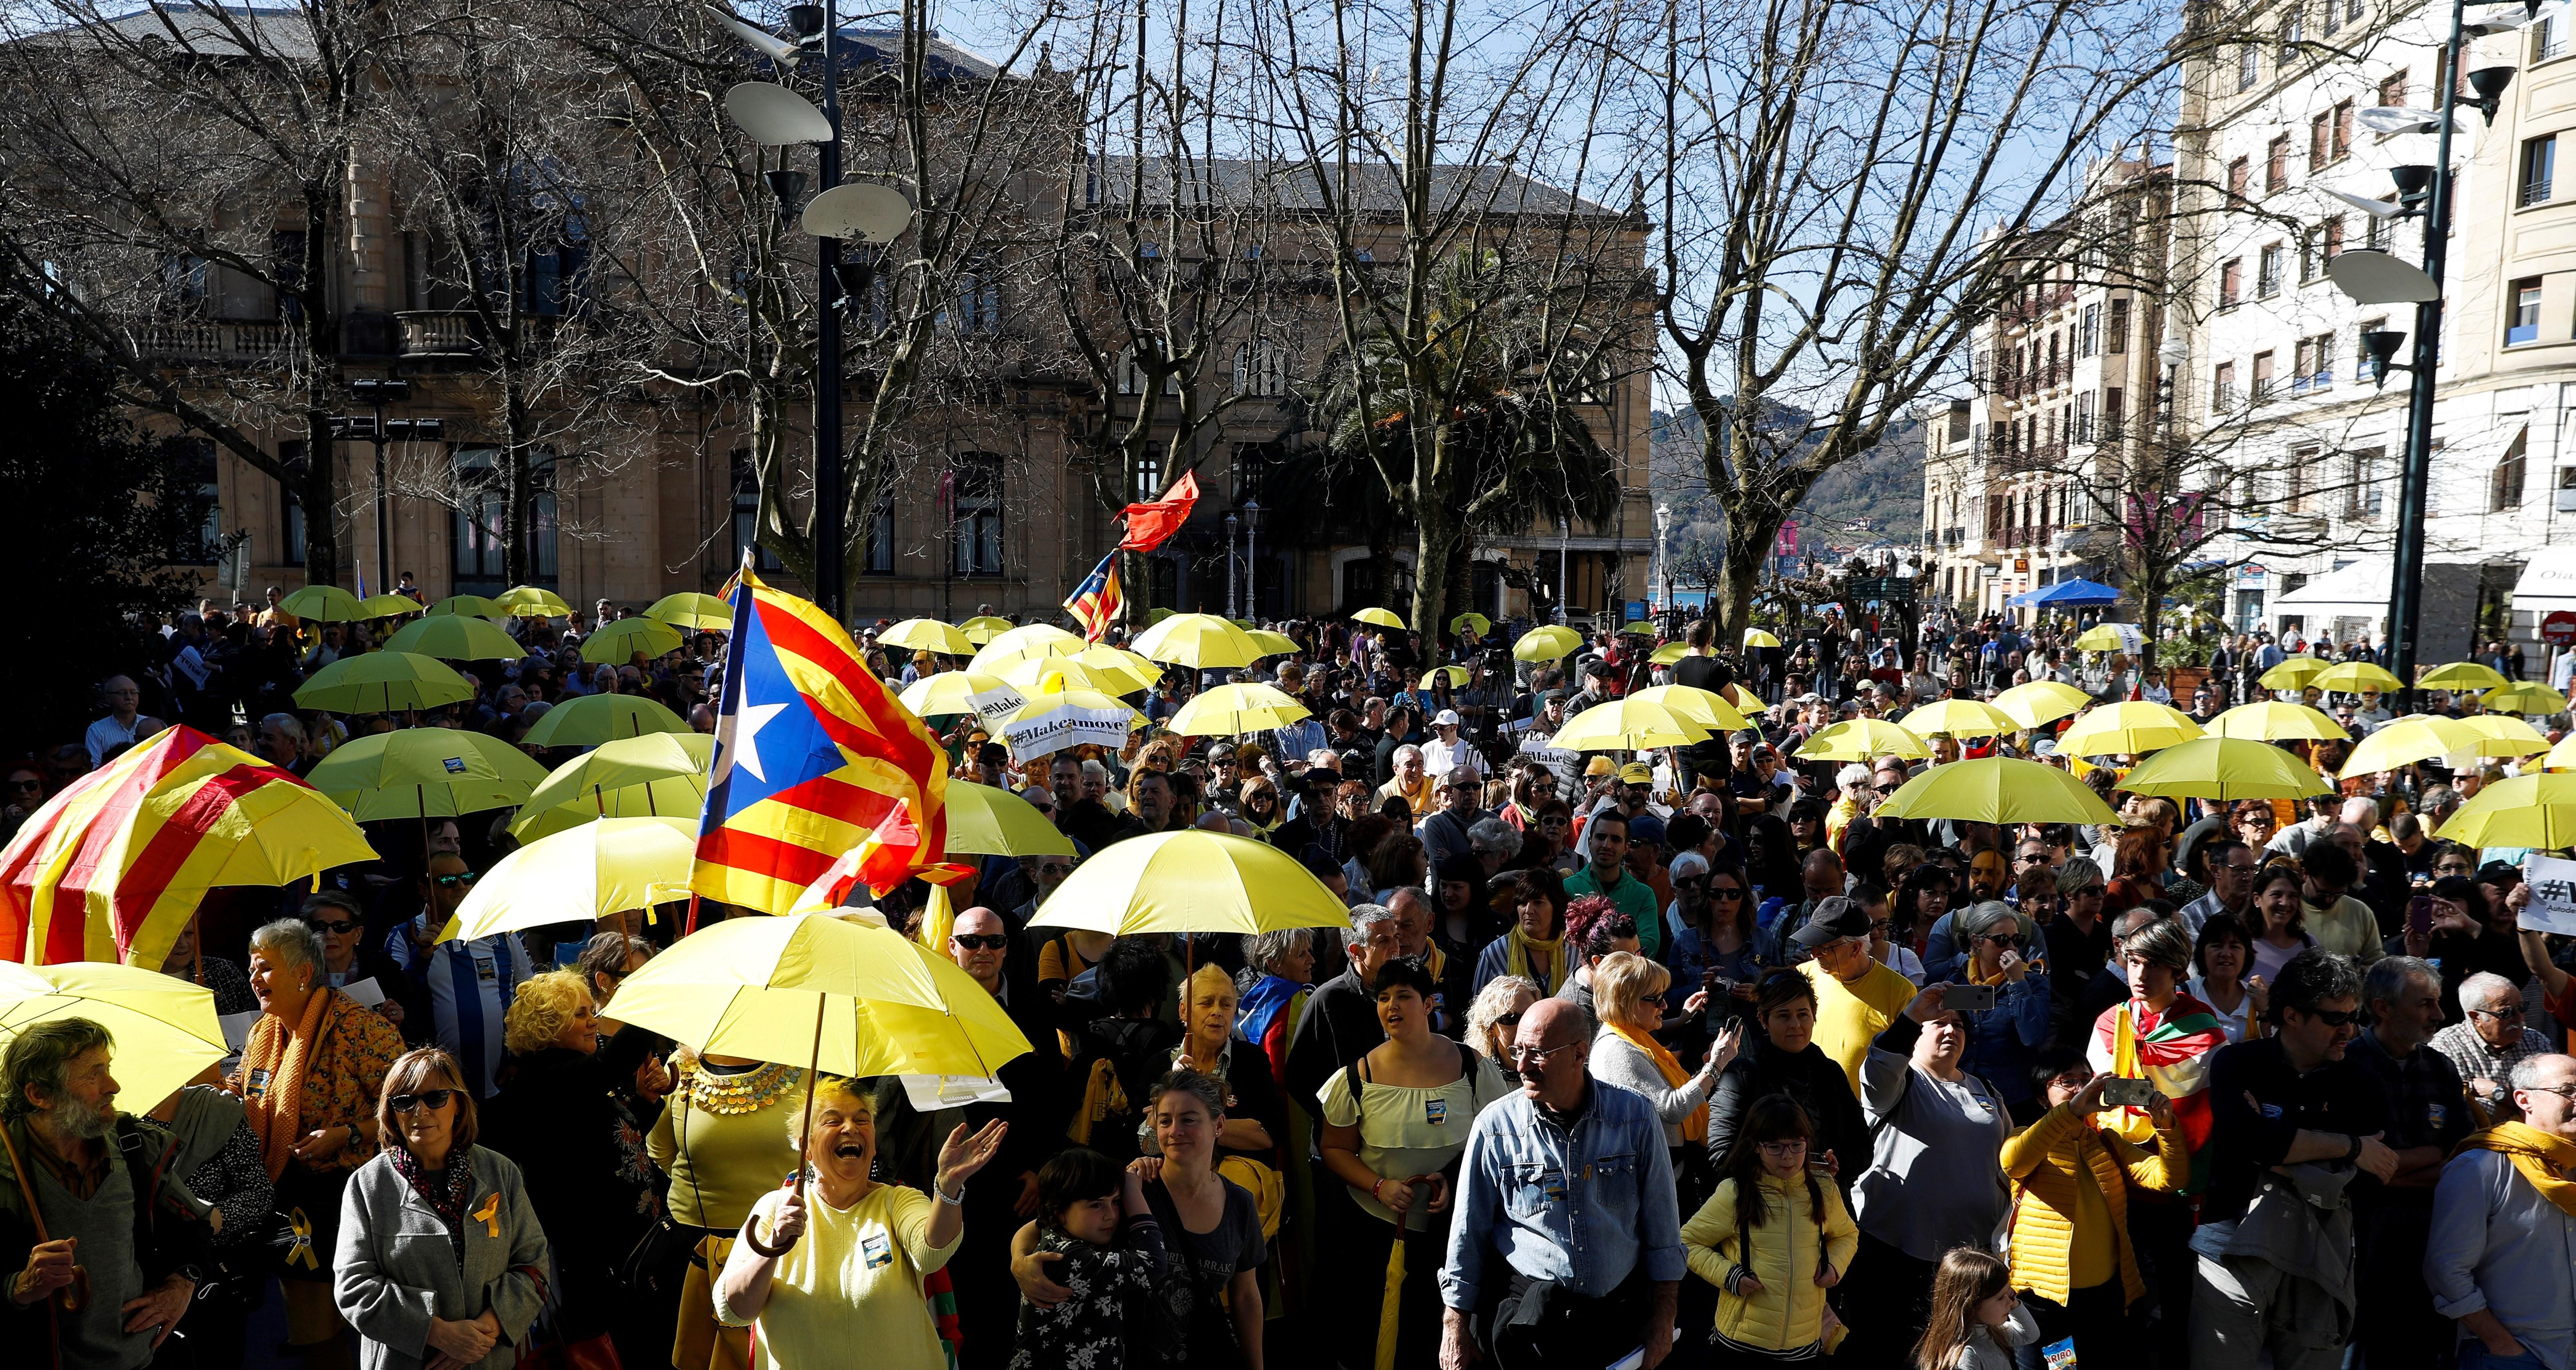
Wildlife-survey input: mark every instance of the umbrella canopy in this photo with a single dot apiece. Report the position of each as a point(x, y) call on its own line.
point(1200, 641)
point(1158, 613)
point(2524, 697)
point(1755, 637)
point(759, 987)
point(1192, 881)
point(1960, 718)
point(2520, 811)
point(2297, 673)
point(2411, 738)
point(1231, 710)
point(2460, 675)
point(469, 606)
point(928, 635)
point(2225, 768)
point(690, 609)
point(1455, 675)
point(2135, 727)
point(1641, 628)
point(1669, 653)
point(984, 821)
point(2270, 720)
point(1029, 675)
point(528, 601)
point(2353, 677)
point(1055, 719)
point(389, 605)
point(581, 874)
point(1484, 626)
point(325, 604)
point(1863, 739)
point(1383, 618)
point(1010, 640)
point(1742, 698)
point(454, 637)
point(383, 683)
point(1272, 643)
point(1703, 706)
point(1554, 642)
point(454, 799)
point(614, 644)
point(956, 692)
point(2067, 594)
point(2108, 637)
point(1997, 789)
point(2041, 701)
point(678, 796)
point(590, 720)
point(999, 656)
point(1120, 661)
point(981, 631)
point(2506, 735)
point(2561, 757)
point(1627, 725)
point(164, 1028)
point(623, 763)
point(420, 756)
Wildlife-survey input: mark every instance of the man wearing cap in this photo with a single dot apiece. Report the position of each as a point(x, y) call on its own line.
point(1606, 874)
point(1447, 751)
point(1444, 831)
point(1857, 995)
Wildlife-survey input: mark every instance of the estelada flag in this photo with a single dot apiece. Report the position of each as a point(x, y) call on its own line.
point(2170, 1050)
point(1096, 601)
point(1149, 523)
point(813, 755)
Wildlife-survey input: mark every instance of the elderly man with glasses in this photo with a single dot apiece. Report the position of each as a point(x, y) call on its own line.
point(2232, 866)
point(2497, 1257)
point(469, 984)
point(1856, 995)
point(2492, 1038)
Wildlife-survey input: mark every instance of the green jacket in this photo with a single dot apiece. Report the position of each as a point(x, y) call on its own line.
point(170, 1234)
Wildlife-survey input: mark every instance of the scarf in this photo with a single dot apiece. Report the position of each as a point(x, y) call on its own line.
point(2540, 1158)
point(1517, 948)
point(446, 1192)
point(1694, 1127)
point(282, 1055)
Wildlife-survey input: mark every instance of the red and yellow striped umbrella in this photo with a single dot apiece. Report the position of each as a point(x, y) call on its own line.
point(113, 867)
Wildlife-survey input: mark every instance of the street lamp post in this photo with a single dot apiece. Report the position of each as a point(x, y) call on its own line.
point(379, 430)
point(1664, 553)
point(1233, 584)
point(1251, 559)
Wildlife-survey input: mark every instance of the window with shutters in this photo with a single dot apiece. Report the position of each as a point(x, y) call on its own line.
point(2504, 488)
point(2392, 88)
point(2262, 380)
point(2118, 341)
point(2341, 145)
point(2267, 276)
point(2239, 174)
point(2276, 166)
point(975, 511)
point(2362, 500)
point(2295, 480)
point(2294, 31)
point(2249, 67)
point(2222, 386)
point(2231, 283)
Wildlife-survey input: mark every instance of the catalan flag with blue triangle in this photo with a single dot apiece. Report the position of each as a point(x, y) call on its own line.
point(815, 759)
point(1096, 601)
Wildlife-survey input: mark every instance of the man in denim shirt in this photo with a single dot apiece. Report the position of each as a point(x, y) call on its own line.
point(2503, 1246)
point(1569, 1184)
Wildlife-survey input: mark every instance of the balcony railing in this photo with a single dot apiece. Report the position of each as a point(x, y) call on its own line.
point(214, 340)
point(440, 333)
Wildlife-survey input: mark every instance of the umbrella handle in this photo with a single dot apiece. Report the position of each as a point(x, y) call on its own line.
point(751, 1224)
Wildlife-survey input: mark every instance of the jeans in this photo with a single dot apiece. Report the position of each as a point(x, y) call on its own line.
point(2475, 1356)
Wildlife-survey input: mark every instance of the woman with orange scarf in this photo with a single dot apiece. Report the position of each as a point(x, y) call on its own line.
point(310, 1073)
point(1629, 991)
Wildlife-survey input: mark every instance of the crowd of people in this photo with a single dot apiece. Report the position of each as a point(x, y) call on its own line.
point(1677, 1057)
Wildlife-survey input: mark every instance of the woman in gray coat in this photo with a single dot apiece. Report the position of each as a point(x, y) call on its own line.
point(441, 1262)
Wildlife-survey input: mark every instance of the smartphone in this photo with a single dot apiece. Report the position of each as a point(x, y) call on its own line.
point(2121, 1092)
point(2419, 915)
point(1969, 998)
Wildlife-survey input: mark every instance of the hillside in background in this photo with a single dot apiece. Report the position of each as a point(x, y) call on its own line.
point(1875, 497)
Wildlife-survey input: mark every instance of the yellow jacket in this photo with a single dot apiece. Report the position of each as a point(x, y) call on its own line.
point(1790, 1311)
point(2041, 1160)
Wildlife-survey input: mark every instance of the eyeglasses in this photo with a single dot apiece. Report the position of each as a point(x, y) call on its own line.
point(2034, 858)
point(25, 784)
point(1725, 891)
point(1528, 1058)
point(427, 1098)
point(1689, 882)
point(2510, 1015)
point(2338, 1017)
point(2002, 939)
point(459, 880)
point(980, 941)
point(1791, 1147)
point(336, 925)
point(2567, 1092)
point(1055, 868)
point(1509, 1020)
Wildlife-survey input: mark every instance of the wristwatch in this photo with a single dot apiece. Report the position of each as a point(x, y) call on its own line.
point(2499, 1098)
point(2354, 1154)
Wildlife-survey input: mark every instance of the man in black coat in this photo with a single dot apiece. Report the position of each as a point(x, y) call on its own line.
point(1340, 1023)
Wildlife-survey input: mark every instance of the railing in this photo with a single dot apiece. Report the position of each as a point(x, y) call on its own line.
point(439, 333)
point(2534, 192)
point(214, 341)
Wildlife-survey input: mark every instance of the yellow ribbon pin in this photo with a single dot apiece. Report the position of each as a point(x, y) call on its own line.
point(302, 1248)
point(490, 1215)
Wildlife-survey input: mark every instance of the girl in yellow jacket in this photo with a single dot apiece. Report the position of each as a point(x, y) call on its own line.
point(2071, 1256)
point(1773, 1239)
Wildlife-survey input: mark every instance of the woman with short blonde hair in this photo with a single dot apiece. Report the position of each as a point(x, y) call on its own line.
point(543, 1006)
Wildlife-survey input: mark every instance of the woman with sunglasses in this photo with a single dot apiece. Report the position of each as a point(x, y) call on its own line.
point(441, 1261)
point(1494, 1022)
point(1726, 950)
point(309, 1073)
point(2002, 1039)
point(1534, 946)
point(347, 960)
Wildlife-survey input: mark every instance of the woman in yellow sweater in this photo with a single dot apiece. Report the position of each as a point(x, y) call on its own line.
point(2071, 1257)
point(722, 1138)
point(1773, 1239)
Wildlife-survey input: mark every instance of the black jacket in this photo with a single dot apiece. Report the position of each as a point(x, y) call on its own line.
point(563, 1118)
point(1811, 1077)
point(1338, 1027)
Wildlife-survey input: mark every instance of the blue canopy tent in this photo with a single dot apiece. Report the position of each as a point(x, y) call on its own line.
point(2067, 594)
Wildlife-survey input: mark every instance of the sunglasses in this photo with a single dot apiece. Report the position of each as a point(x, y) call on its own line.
point(2334, 1017)
point(25, 784)
point(456, 881)
point(427, 1098)
point(1055, 868)
point(993, 941)
point(2003, 939)
point(1507, 1020)
point(336, 925)
point(1726, 892)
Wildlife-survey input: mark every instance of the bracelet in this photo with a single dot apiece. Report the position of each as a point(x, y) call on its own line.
point(1376, 1185)
point(2355, 1153)
point(957, 1202)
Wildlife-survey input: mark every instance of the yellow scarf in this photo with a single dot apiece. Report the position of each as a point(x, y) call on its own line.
point(1517, 948)
point(1977, 978)
point(1694, 1127)
point(2542, 1159)
point(283, 1055)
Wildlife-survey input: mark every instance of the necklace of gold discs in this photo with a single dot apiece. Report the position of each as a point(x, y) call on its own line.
point(748, 1092)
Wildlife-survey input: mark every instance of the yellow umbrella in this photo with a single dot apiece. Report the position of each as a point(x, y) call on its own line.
point(1157, 614)
point(590, 720)
point(2520, 811)
point(2353, 677)
point(528, 601)
point(1120, 661)
point(981, 631)
point(672, 796)
point(624, 762)
point(2101, 637)
point(984, 821)
point(383, 683)
point(1742, 698)
point(585, 873)
point(2294, 674)
point(2134, 727)
point(1551, 643)
point(1669, 653)
point(1457, 675)
point(1701, 706)
point(1641, 628)
point(2412, 738)
point(1229, 710)
point(928, 635)
point(1627, 725)
point(2270, 720)
point(389, 605)
point(2506, 735)
point(1011, 640)
point(2041, 701)
point(1273, 644)
point(613, 644)
point(2225, 768)
point(2561, 757)
point(406, 756)
point(2460, 675)
point(455, 637)
point(1192, 881)
point(324, 604)
point(450, 799)
point(471, 606)
point(164, 1028)
point(691, 609)
point(1030, 674)
point(2524, 697)
point(1863, 739)
point(950, 693)
point(1755, 637)
point(1383, 618)
point(1200, 641)
point(1959, 718)
point(1484, 626)
point(1997, 789)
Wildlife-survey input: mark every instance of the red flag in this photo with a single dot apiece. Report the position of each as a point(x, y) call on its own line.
point(1148, 524)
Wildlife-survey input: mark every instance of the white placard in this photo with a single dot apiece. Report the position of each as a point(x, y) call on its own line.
point(929, 1092)
point(366, 991)
point(992, 706)
point(237, 1028)
point(2553, 895)
point(1068, 727)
